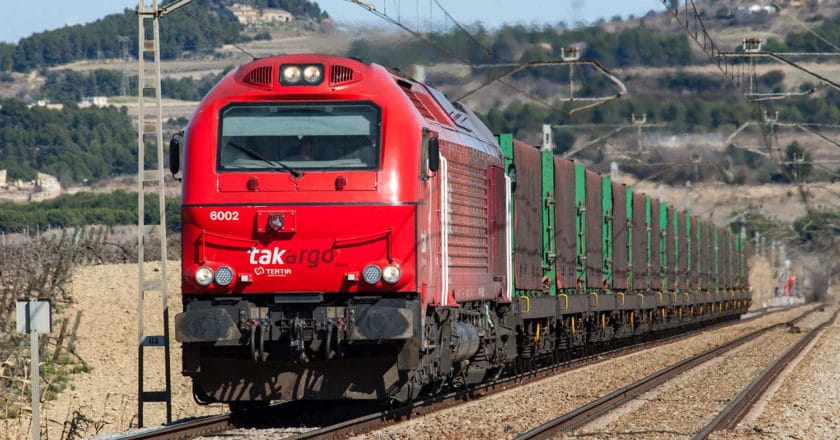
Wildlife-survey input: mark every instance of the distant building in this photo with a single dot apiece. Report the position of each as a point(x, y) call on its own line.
point(276, 16)
point(45, 187)
point(99, 101)
point(761, 9)
point(46, 104)
point(249, 16)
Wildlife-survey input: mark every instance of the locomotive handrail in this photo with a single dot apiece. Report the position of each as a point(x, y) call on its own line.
point(596, 298)
point(566, 297)
point(622, 297)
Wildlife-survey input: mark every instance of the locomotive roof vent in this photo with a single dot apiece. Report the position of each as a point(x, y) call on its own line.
point(341, 75)
point(261, 76)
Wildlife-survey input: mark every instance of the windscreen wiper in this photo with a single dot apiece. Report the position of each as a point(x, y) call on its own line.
point(273, 164)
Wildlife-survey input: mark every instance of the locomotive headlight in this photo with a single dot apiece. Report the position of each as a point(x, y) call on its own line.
point(291, 74)
point(372, 274)
point(204, 276)
point(391, 273)
point(312, 74)
point(224, 275)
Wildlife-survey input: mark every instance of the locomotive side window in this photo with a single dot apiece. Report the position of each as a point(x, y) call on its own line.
point(299, 137)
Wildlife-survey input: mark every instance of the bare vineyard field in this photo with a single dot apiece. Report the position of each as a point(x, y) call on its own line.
point(41, 264)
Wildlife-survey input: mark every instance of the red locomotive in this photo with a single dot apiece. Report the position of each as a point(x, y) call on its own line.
point(351, 233)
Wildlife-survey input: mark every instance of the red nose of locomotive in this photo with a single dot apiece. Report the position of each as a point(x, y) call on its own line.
point(298, 199)
point(301, 249)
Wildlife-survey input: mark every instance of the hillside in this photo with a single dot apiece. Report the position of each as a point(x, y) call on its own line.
point(676, 97)
point(697, 126)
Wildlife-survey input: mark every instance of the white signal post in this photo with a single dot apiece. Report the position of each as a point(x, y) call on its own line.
point(33, 316)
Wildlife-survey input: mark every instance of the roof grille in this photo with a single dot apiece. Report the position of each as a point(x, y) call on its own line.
point(262, 76)
point(418, 103)
point(340, 75)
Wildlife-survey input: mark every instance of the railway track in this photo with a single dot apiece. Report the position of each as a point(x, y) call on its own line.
point(289, 415)
point(728, 418)
point(377, 419)
point(187, 429)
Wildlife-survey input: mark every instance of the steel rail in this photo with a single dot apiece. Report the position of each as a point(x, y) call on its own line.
point(599, 407)
point(188, 429)
point(729, 418)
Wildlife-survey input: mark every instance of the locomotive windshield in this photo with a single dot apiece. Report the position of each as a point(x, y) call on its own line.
point(291, 137)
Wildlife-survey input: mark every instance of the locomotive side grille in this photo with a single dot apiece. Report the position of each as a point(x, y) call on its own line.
point(469, 247)
point(418, 103)
point(262, 76)
point(340, 75)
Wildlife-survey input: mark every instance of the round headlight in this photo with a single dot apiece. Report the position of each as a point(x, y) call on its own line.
point(312, 74)
point(391, 273)
point(291, 74)
point(204, 276)
point(372, 274)
point(224, 275)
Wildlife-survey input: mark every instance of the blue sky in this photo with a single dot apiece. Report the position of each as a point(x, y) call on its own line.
point(39, 15)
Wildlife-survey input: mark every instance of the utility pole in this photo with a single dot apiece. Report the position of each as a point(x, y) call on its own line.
point(150, 123)
point(547, 143)
point(639, 123)
point(688, 195)
point(124, 80)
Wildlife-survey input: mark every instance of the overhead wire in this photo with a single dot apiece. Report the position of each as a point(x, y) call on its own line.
point(815, 33)
point(490, 54)
point(487, 50)
point(372, 9)
point(218, 34)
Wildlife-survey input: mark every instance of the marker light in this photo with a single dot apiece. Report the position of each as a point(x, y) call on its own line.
point(391, 273)
point(312, 74)
point(224, 275)
point(372, 274)
point(204, 276)
point(291, 74)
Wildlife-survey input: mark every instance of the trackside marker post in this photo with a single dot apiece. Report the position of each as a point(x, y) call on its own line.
point(34, 316)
